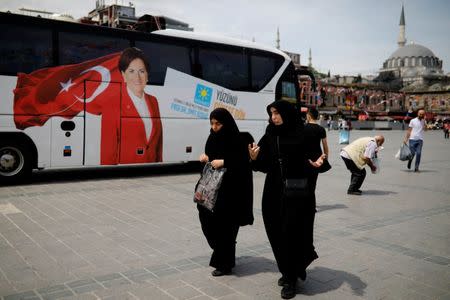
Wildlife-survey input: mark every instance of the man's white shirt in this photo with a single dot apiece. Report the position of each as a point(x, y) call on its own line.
point(417, 129)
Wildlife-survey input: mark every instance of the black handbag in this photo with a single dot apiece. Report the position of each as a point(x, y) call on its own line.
point(324, 167)
point(292, 187)
point(296, 187)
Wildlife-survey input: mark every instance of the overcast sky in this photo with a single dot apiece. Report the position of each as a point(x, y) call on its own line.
point(345, 36)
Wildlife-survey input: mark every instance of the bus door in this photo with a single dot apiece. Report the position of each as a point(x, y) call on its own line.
point(102, 123)
point(66, 141)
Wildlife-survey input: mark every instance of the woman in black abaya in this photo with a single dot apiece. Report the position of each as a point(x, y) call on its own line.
point(289, 222)
point(227, 148)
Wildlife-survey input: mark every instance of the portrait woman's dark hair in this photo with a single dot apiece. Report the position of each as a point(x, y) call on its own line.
point(130, 54)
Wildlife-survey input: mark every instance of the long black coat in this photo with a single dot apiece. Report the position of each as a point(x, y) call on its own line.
point(235, 196)
point(234, 204)
point(289, 222)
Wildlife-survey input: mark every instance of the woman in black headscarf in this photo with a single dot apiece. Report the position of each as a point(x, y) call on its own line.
point(226, 148)
point(288, 221)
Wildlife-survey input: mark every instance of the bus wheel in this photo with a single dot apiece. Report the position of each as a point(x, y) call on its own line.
point(14, 162)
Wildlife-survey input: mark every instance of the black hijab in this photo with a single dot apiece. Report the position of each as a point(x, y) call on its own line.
point(224, 117)
point(288, 114)
point(228, 136)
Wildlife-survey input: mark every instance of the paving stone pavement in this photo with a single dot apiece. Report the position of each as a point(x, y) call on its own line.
point(135, 234)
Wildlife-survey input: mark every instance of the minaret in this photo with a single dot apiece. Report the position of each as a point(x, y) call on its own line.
point(401, 36)
point(310, 59)
point(278, 37)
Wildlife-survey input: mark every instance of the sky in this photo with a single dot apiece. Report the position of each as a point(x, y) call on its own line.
point(346, 37)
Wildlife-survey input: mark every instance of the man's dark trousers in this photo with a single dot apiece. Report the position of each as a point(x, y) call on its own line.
point(358, 175)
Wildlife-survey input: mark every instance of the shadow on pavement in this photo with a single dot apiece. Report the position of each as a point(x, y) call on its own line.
point(421, 171)
point(378, 192)
point(108, 172)
point(325, 280)
point(250, 265)
point(321, 208)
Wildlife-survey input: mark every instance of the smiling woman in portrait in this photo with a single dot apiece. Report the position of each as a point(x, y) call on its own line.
point(141, 129)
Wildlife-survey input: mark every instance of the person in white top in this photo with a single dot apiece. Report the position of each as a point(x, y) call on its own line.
point(414, 135)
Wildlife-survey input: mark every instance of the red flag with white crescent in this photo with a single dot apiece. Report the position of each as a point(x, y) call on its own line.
point(60, 91)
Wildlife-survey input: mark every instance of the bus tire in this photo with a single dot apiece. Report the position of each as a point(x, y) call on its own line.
point(15, 161)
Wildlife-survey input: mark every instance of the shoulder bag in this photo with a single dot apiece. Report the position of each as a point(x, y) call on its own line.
point(292, 187)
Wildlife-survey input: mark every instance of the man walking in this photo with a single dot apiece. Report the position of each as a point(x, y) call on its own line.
point(414, 135)
point(359, 153)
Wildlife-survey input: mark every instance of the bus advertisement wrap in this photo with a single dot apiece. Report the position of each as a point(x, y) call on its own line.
point(76, 104)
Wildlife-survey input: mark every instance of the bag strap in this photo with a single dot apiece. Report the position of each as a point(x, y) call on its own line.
point(280, 160)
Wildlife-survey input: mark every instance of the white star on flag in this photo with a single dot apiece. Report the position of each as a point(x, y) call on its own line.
point(66, 85)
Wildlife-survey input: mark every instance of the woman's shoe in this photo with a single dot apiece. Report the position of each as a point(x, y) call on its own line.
point(218, 272)
point(288, 291)
point(302, 275)
point(282, 281)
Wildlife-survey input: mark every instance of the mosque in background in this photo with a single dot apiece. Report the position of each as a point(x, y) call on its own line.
point(413, 67)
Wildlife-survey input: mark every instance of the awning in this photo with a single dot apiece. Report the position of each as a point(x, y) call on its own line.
point(327, 112)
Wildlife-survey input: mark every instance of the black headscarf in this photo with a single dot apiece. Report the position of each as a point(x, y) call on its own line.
point(288, 114)
point(224, 117)
point(228, 136)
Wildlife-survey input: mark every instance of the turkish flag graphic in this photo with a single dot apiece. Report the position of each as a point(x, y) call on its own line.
point(60, 91)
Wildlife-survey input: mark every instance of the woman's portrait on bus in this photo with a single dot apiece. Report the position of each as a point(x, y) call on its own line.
point(141, 129)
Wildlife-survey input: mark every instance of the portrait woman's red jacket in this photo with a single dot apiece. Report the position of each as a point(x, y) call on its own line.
point(135, 145)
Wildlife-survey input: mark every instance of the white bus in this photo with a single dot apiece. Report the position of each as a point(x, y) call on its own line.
point(68, 97)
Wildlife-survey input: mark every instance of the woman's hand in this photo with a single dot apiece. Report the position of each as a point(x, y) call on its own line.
point(204, 158)
point(318, 162)
point(217, 163)
point(253, 151)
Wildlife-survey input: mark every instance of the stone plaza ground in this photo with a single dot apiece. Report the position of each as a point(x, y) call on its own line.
point(133, 233)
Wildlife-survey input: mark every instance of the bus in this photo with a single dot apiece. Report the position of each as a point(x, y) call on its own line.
point(68, 97)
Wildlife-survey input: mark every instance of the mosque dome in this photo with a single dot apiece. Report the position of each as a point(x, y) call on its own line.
point(412, 50)
point(413, 60)
point(414, 65)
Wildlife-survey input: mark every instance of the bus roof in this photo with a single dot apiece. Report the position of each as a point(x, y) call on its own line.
point(218, 39)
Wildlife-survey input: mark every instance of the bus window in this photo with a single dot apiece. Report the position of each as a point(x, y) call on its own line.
point(288, 91)
point(161, 56)
point(227, 68)
point(263, 69)
point(79, 47)
point(287, 86)
point(27, 49)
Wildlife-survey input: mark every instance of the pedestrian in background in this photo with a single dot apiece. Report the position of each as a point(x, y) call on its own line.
point(446, 128)
point(349, 124)
point(356, 156)
point(289, 222)
point(414, 137)
point(329, 123)
point(315, 135)
point(227, 148)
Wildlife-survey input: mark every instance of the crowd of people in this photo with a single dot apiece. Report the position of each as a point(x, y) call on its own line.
point(371, 99)
point(291, 152)
point(368, 99)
